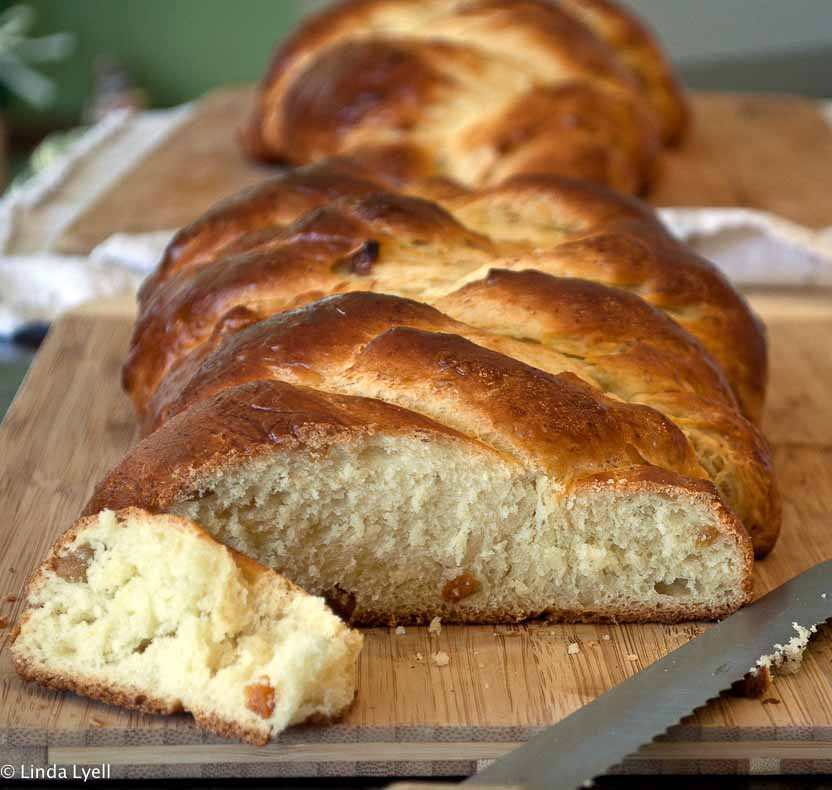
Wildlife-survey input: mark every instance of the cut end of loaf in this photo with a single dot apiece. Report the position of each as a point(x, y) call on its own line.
point(400, 529)
point(148, 611)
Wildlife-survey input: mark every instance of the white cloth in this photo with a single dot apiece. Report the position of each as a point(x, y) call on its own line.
point(38, 287)
point(754, 247)
point(751, 247)
point(36, 284)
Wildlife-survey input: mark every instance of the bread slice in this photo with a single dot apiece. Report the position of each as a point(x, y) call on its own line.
point(556, 502)
point(150, 612)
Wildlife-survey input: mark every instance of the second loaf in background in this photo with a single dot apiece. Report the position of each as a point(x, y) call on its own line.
point(472, 90)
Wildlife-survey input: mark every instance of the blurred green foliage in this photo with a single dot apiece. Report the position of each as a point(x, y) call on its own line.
point(174, 49)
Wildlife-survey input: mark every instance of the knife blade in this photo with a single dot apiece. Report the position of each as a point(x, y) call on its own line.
point(602, 733)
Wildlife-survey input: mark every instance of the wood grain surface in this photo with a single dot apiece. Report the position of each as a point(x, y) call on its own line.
point(198, 164)
point(70, 422)
point(768, 152)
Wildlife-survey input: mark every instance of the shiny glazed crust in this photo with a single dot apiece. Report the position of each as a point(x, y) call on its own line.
point(311, 233)
point(475, 90)
point(642, 55)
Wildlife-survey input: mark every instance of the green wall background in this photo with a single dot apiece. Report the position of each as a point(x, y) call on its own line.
point(174, 49)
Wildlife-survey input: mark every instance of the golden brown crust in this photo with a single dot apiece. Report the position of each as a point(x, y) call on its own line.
point(425, 251)
point(573, 129)
point(298, 347)
point(607, 326)
point(277, 201)
point(589, 232)
point(553, 423)
point(556, 424)
point(642, 55)
point(475, 90)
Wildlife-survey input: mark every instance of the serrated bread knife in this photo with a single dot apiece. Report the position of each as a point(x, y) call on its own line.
point(602, 733)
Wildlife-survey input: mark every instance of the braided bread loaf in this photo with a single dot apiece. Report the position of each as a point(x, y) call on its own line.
point(474, 90)
point(483, 406)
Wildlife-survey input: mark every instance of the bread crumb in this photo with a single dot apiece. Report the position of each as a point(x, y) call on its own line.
point(441, 659)
point(632, 657)
point(787, 659)
point(435, 626)
point(573, 648)
point(400, 630)
point(419, 656)
point(4, 622)
point(823, 595)
point(593, 643)
point(606, 637)
point(771, 701)
point(11, 598)
point(94, 722)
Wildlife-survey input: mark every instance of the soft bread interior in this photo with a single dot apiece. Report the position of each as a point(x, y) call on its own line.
point(402, 529)
point(151, 612)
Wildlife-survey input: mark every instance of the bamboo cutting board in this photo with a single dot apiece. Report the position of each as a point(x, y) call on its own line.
point(70, 422)
point(768, 152)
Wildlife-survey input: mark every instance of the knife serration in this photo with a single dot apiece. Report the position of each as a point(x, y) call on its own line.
point(602, 733)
